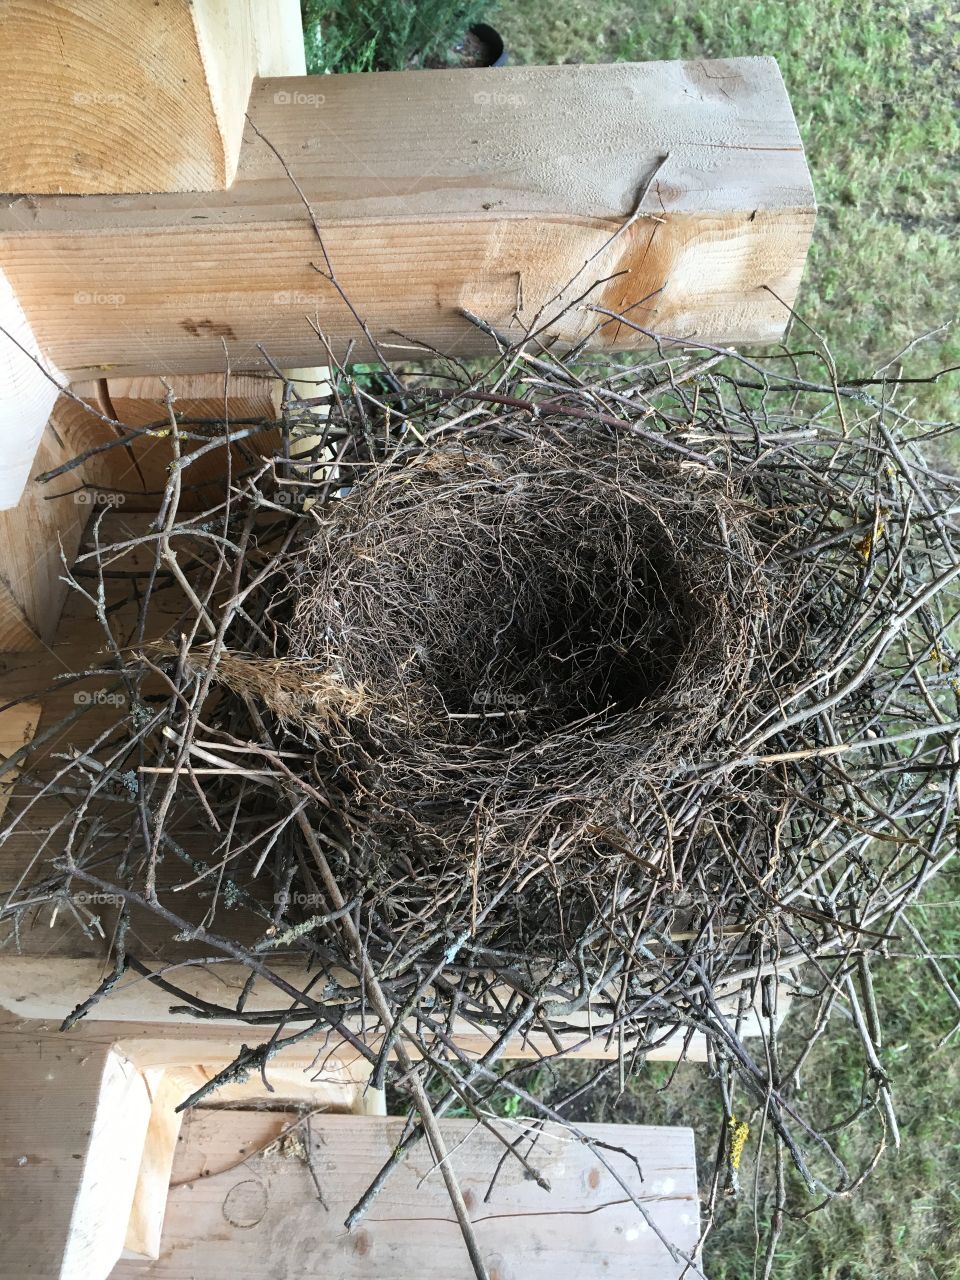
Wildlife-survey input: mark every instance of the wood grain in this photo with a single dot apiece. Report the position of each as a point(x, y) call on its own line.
point(27, 394)
point(88, 1132)
point(439, 191)
point(16, 631)
point(45, 528)
point(136, 474)
point(239, 1212)
point(17, 727)
point(145, 1221)
point(39, 534)
point(148, 95)
point(72, 1126)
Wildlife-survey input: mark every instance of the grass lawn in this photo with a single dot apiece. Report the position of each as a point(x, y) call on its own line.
point(876, 89)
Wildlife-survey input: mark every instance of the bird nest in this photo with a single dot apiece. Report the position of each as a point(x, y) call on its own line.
point(580, 709)
point(536, 633)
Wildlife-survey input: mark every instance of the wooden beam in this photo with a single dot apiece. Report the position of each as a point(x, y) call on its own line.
point(28, 391)
point(147, 95)
point(48, 987)
point(245, 1191)
point(46, 525)
point(17, 727)
point(72, 1128)
point(675, 192)
point(304, 1083)
point(16, 632)
point(145, 1223)
point(136, 475)
point(89, 1127)
point(50, 518)
point(310, 384)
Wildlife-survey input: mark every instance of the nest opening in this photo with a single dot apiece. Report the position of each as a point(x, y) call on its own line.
point(520, 614)
point(530, 645)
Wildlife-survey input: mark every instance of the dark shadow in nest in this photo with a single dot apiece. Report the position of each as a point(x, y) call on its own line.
point(502, 655)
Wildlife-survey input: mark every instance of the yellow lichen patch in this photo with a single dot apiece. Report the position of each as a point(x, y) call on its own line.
point(739, 1132)
point(866, 544)
point(940, 658)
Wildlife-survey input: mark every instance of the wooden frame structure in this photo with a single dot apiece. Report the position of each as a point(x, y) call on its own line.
point(188, 206)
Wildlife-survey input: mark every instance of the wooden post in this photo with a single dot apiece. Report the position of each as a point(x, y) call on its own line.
point(72, 1134)
point(107, 97)
point(28, 392)
point(89, 1126)
point(676, 193)
point(147, 95)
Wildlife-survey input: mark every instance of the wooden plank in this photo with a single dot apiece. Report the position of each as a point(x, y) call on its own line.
point(318, 1072)
point(147, 95)
point(88, 1132)
point(278, 36)
point(314, 1086)
point(72, 1126)
point(145, 1223)
point(51, 517)
point(118, 1125)
point(438, 191)
point(47, 524)
point(239, 1212)
point(48, 987)
point(27, 395)
point(136, 475)
point(16, 632)
point(17, 727)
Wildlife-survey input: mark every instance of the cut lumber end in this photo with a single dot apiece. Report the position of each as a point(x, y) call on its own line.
point(143, 97)
point(28, 392)
point(675, 195)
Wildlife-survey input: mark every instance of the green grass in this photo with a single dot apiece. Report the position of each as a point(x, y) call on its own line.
point(384, 35)
point(904, 1224)
point(876, 90)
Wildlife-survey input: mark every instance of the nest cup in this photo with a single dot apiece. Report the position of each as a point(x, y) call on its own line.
point(603, 711)
point(538, 631)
